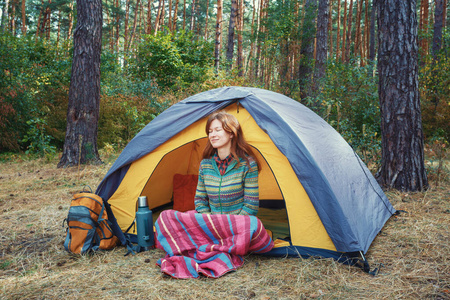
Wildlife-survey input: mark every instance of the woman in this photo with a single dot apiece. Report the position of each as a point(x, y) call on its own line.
point(228, 174)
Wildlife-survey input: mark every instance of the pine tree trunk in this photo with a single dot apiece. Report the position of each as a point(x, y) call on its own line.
point(133, 32)
point(349, 32)
point(117, 3)
point(175, 16)
point(125, 34)
point(330, 29)
point(338, 30)
point(240, 26)
point(249, 65)
point(402, 165)
point(170, 16)
point(158, 16)
point(109, 25)
point(373, 15)
point(423, 44)
point(294, 47)
point(58, 34)
point(191, 26)
point(38, 31)
point(69, 30)
point(184, 15)
point(13, 17)
point(344, 33)
point(48, 21)
point(437, 32)
point(80, 145)
point(358, 38)
point(365, 52)
point(24, 19)
point(321, 42)
point(149, 17)
point(307, 48)
point(259, 35)
point(231, 29)
point(206, 20)
point(218, 43)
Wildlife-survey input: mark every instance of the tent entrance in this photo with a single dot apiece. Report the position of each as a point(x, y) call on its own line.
point(186, 159)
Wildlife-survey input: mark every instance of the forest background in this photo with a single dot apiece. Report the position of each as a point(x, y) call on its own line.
point(156, 53)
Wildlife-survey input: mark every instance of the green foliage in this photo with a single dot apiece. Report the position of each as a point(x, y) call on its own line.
point(38, 141)
point(172, 60)
point(33, 84)
point(349, 102)
point(434, 79)
point(127, 103)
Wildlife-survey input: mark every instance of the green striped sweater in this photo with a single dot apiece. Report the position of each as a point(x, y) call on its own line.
point(235, 192)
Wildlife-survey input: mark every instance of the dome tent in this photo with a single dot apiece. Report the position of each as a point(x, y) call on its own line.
point(332, 204)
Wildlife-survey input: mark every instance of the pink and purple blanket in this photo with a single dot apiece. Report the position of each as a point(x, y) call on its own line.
point(207, 244)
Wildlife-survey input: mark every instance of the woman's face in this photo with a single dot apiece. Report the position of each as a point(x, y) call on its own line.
point(219, 137)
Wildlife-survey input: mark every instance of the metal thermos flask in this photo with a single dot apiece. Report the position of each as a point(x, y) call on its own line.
point(144, 224)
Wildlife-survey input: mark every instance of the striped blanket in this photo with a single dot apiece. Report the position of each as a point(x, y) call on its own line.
point(207, 244)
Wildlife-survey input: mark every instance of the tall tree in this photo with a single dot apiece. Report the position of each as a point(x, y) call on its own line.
point(307, 48)
point(117, 9)
point(24, 19)
point(373, 15)
point(231, 28)
point(218, 40)
point(175, 16)
point(133, 31)
point(206, 20)
point(13, 17)
point(69, 30)
point(170, 16)
point(149, 17)
point(158, 16)
point(126, 29)
point(191, 26)
point(338, 30)
point(330, 28)
point(423, 28)
point(349, 32)
point(358, 38)
point(402, 165)
point(80, 145)
point(344, 32)
point(437, 32)
point(252, 42)
point(41, 10)
point(321, 42)
point(240, 26)
point(365, 52)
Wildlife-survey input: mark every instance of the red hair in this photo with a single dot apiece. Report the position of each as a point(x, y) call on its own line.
point(239, 146)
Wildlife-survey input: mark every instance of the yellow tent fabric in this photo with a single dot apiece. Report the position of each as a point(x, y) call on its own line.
point(152, 176)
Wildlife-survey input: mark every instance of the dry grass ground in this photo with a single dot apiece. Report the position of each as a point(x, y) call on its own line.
point(35, 197)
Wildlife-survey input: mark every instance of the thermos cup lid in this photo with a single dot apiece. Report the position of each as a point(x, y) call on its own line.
point(142, 201)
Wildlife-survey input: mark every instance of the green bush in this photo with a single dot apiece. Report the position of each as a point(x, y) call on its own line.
point(172, 60)
point(127, 104)
point(33, 85)
point(434, 83)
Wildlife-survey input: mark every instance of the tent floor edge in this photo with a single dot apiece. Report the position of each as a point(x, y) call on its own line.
point(356, 259)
